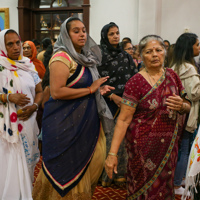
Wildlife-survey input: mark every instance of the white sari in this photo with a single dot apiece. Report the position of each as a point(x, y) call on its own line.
point(18, 139)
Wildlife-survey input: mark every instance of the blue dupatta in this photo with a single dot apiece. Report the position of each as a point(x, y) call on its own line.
point(70, 134)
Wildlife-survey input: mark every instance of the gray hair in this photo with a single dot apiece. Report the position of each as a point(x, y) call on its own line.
point(143, 42)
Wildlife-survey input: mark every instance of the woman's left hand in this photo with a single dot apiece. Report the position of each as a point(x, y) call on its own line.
point(174, 102)
point(111, 165)
point(27, 112)
point(105, 89)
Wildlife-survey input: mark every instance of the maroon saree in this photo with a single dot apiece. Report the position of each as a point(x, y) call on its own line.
point(152, 137)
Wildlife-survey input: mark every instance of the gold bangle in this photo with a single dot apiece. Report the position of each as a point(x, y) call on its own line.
point(113, 154)
point(3, 98)
point(90, 89)
point(111, 97)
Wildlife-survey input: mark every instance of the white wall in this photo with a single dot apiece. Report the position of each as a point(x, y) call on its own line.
point(146, 18)
point(168, 18)
point(177, 15)
point(135, 18)
point(13, 12)
point(123, 13)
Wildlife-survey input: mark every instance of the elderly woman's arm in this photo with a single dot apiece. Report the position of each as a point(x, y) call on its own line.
point(179, 104)
point(59, 73)
point(29, 110)
point(123, 121)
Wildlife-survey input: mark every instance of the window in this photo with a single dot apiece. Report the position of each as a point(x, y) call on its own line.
point(46, 16)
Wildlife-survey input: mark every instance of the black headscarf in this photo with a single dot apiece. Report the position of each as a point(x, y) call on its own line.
point(116, 63)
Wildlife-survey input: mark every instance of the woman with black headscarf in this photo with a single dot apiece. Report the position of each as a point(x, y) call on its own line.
point(119, 66)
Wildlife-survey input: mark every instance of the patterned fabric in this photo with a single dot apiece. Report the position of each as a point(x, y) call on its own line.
point(84, 190)
point(70, 132)
point(38, 64)
point(193, 170)
point(116, 63)
point(89, 57)
point(18, 139)
point(119, 66)
point(10, 83)
point(153, 129)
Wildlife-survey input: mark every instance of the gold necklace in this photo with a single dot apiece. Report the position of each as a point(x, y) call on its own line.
point(149, 76)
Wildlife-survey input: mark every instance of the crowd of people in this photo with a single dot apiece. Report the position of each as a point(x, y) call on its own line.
point(114, 113)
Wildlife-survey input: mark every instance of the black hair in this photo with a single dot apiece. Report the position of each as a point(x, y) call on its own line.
point(127, 39)
point(46, 42)
point(68, 24)
point(167, 42)
point(183, 50)
point(123, 45)
point(47, 56)
point(54, 39)
point(112, 24)
point(36, 42)
point(11, 31)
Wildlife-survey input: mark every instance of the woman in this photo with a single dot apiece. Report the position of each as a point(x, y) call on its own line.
point(45, 43)
point(151, 123)
point(20, 96)
point(119, 66)
point(167, 44)
point(129, 48)
point(73, 142)
point(30, 51)
point(186, 48)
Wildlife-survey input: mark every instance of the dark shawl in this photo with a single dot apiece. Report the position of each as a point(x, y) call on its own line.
point(116, 63)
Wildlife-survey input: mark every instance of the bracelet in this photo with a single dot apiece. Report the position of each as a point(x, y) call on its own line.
point(113, 154)
point(183, 108)
point(36, 105)
point(90, 89)
point(7, 97)
point(111, 97)
point(3, 98)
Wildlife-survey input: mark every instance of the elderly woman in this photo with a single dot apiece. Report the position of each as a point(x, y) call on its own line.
point(150, 118)
point(119, 66)
point(20, 96)
point(73, 139)
point(30, 51)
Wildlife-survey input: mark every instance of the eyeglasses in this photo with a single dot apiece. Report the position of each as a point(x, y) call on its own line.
point(28, 48)
point(129, 49)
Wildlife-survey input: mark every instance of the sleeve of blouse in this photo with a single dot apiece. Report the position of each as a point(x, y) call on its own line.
point(36, 78)
point(131, 95)
point(62, 57)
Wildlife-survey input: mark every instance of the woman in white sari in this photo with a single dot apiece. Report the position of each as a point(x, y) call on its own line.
point(20, 95)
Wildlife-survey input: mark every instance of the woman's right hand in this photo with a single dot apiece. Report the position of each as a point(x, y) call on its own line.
point(96, 84)
point(19, 99)
point(111, 165)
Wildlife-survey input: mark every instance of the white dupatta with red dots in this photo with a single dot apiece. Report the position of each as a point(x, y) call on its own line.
point(10, 127)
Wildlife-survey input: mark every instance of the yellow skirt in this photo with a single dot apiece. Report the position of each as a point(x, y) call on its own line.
point(43, 190)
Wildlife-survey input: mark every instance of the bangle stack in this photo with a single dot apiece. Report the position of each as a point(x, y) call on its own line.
point(90, 89)
point(3, 98)
point(113, 154)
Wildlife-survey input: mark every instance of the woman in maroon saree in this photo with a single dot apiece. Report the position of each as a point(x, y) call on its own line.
point(152, 118)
